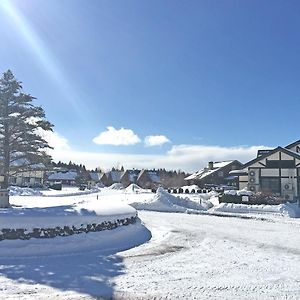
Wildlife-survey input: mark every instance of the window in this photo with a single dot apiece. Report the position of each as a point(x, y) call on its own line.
point(283, 164)
point(270, 185)
point(272, 164)
point(287, 164)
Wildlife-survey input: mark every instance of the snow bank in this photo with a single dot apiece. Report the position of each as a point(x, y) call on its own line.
point(116, 186)
point(210, 195)
point(22, 191)
point(134, 188)
point(119, 239)
point(238, 193)
point(73, 191)
point(165, 202)
point(288, 210)
point(69, 215)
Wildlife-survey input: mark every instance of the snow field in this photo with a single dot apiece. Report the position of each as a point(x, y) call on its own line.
point(165, 256)
point(205, 257)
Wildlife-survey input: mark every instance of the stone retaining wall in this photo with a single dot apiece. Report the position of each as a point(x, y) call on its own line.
point(23, 234)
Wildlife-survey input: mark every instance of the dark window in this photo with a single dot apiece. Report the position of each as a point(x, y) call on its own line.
point(270, 185)
point(272, 164)
point(288, 164)
point(283, 164)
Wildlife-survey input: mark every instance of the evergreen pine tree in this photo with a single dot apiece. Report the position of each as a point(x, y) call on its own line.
point(21, 145)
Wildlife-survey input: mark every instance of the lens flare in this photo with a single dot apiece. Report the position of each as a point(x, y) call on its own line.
point(41, 52)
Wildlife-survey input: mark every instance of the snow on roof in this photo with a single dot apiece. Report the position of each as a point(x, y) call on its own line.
point(154, 177)
point(95, 176)
point(25, 162)
point(206, 171)
point(132, 175)
point(63, 176)
point(238, 172)
point(116, 175)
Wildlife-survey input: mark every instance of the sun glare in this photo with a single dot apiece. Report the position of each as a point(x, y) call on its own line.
point(42, 53)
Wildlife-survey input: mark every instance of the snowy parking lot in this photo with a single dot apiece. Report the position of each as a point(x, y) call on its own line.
point(165, 256)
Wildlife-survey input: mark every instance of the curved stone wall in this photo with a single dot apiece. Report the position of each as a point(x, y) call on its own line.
point(23, 234)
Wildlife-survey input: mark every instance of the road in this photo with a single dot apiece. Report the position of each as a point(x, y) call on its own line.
point(206, 257)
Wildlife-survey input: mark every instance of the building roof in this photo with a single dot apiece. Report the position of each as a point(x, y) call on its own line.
point(284, 150)
point(103, 176)
point(116, 175)
point(217, 166)
point(152, 175)
point(63, 176)
point(293, 144)
point(95, 176)
point(263, 152)
point(133, 175)
point(24, 162)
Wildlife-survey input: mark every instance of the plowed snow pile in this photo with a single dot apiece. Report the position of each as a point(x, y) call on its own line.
point(165, 202)
point(19, 191)
point(134, 188)
point(116, 186)
point(289, 209)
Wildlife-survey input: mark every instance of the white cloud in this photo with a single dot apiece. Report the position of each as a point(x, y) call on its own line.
point(194, 157)
point(117, 137)
point(54, 139)
point(185, 157)
point(156, 140)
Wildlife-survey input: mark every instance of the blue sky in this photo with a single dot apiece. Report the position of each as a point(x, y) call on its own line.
point(199, 80)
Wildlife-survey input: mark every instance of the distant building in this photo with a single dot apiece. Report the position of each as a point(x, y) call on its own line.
point(216, 173)
point(105, 180)
point(67, 178)
point(144, 178)
point(129, 177)
point(95, 177)
point(275, 171)
point(114, 176)
point(33, 177)
point(148, 179)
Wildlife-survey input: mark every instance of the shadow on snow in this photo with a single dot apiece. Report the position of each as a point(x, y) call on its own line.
point(89, 272)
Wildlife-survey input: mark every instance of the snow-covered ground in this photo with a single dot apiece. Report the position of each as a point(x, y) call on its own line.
point(208, 257)
point(165, 202)
point(199, 253)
